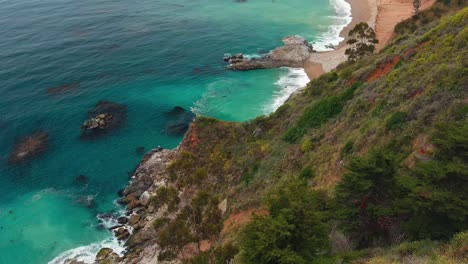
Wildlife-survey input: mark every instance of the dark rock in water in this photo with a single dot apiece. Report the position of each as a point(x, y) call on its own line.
point(177, 110)
point(63, 88)
point(104, 117)
point(140, 150)
point(234, 58)
point(29, 147)
point(294, 53)
point(122, 220)
point(179, 121)
point(105, 216)
point(120, 193)
point(101, 121)
point(177, 128)
point(115, 227)
point(81, 180)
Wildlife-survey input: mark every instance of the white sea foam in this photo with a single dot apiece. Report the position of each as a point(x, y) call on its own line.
point(87, 254)
point(291, 81)
point(341, 20)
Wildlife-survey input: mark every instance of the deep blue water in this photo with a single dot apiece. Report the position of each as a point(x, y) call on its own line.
point(150, 56)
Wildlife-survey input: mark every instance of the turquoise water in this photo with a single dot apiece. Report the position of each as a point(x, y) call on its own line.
point(148, 55)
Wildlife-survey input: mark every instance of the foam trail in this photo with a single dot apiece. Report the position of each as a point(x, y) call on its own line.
point(293, 80)
point(343, 18)
point(88, 253)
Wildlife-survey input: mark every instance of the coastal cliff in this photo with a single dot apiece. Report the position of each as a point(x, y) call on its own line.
point(376, 145)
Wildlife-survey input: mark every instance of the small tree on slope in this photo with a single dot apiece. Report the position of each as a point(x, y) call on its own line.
point(362, 40)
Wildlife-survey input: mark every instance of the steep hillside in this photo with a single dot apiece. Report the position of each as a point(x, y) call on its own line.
point(370, 155)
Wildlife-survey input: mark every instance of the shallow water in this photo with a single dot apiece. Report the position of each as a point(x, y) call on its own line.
point(148, 55)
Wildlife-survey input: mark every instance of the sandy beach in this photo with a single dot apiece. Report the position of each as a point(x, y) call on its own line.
point(382, 15)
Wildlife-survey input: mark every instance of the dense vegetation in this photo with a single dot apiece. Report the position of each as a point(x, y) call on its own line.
point(370, 156)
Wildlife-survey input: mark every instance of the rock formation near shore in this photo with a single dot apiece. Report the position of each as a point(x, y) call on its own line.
point(104, 117)
point(294, 53)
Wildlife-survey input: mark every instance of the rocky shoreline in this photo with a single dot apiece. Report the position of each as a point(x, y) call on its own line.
point(135, 228)
point(295, 52)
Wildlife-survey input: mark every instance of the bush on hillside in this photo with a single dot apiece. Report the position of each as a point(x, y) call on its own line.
point(293, 231)
point(319, 113)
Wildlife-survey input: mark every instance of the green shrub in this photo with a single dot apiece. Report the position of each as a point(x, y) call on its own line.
point(437, 199)
point(307, 173)
point(172, 238)
point(294, 230)
point(365, 193)
point(347, 149)
point(160, 222)
point(166, 195)
point(396, 120)
point(307, 145)
point(319, 113)
point(200, 175)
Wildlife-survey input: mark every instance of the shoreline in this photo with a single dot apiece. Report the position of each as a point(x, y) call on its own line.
point(325, 61)
point(318, 64)
point(381, 15)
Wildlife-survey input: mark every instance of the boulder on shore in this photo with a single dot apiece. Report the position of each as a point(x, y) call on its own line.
point(29, 147)
point(294, 53)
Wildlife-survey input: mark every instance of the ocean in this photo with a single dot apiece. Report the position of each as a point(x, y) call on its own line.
point(150, 56)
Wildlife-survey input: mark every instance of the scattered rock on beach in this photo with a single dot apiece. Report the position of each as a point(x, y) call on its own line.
point(104, 117)
point(29, 147)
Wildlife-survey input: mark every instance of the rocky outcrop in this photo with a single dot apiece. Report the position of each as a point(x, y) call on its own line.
point(104, 117)
point(107, 256)
point(136, 227)
point(29, 147)
point(294, 53)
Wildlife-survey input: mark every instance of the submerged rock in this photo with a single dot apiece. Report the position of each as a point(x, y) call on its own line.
point(122, 220)
point(294, 53)
point(81, 180)
point(104, 117)
point(86, 201)
point(140, 150)
point(179, 121)
point(63, 88)
point(29, 147)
